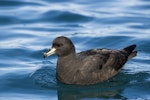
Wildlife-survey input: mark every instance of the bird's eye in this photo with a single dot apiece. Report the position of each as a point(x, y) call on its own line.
point(57, 45)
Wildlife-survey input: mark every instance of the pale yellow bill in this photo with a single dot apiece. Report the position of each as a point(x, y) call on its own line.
point(50, 52)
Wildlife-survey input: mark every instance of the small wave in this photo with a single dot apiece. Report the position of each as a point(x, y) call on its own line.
point(45, 77)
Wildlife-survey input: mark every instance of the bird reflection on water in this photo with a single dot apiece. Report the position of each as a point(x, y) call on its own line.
point(111, 88)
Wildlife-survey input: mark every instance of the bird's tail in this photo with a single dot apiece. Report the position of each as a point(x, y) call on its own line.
point(130, 51)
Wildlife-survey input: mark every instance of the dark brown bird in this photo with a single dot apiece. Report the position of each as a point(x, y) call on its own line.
point(87, 67)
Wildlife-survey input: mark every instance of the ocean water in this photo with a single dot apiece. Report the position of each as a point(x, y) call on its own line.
point(27, 28)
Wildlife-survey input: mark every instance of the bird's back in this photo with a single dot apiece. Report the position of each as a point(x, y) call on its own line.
point(100, 64)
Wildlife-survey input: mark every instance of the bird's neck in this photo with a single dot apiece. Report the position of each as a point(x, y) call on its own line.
point(66, 62)
point(64, 67)
point(67, 58)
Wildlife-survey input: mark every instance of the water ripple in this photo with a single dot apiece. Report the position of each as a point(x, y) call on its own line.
point(29, 27)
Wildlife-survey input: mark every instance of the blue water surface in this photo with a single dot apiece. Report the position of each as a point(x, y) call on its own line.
point(27, 28)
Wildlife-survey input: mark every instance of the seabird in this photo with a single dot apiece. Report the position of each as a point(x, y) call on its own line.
point(87, 67)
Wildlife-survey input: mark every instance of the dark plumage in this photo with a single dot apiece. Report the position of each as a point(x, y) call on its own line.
point(87, 67)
